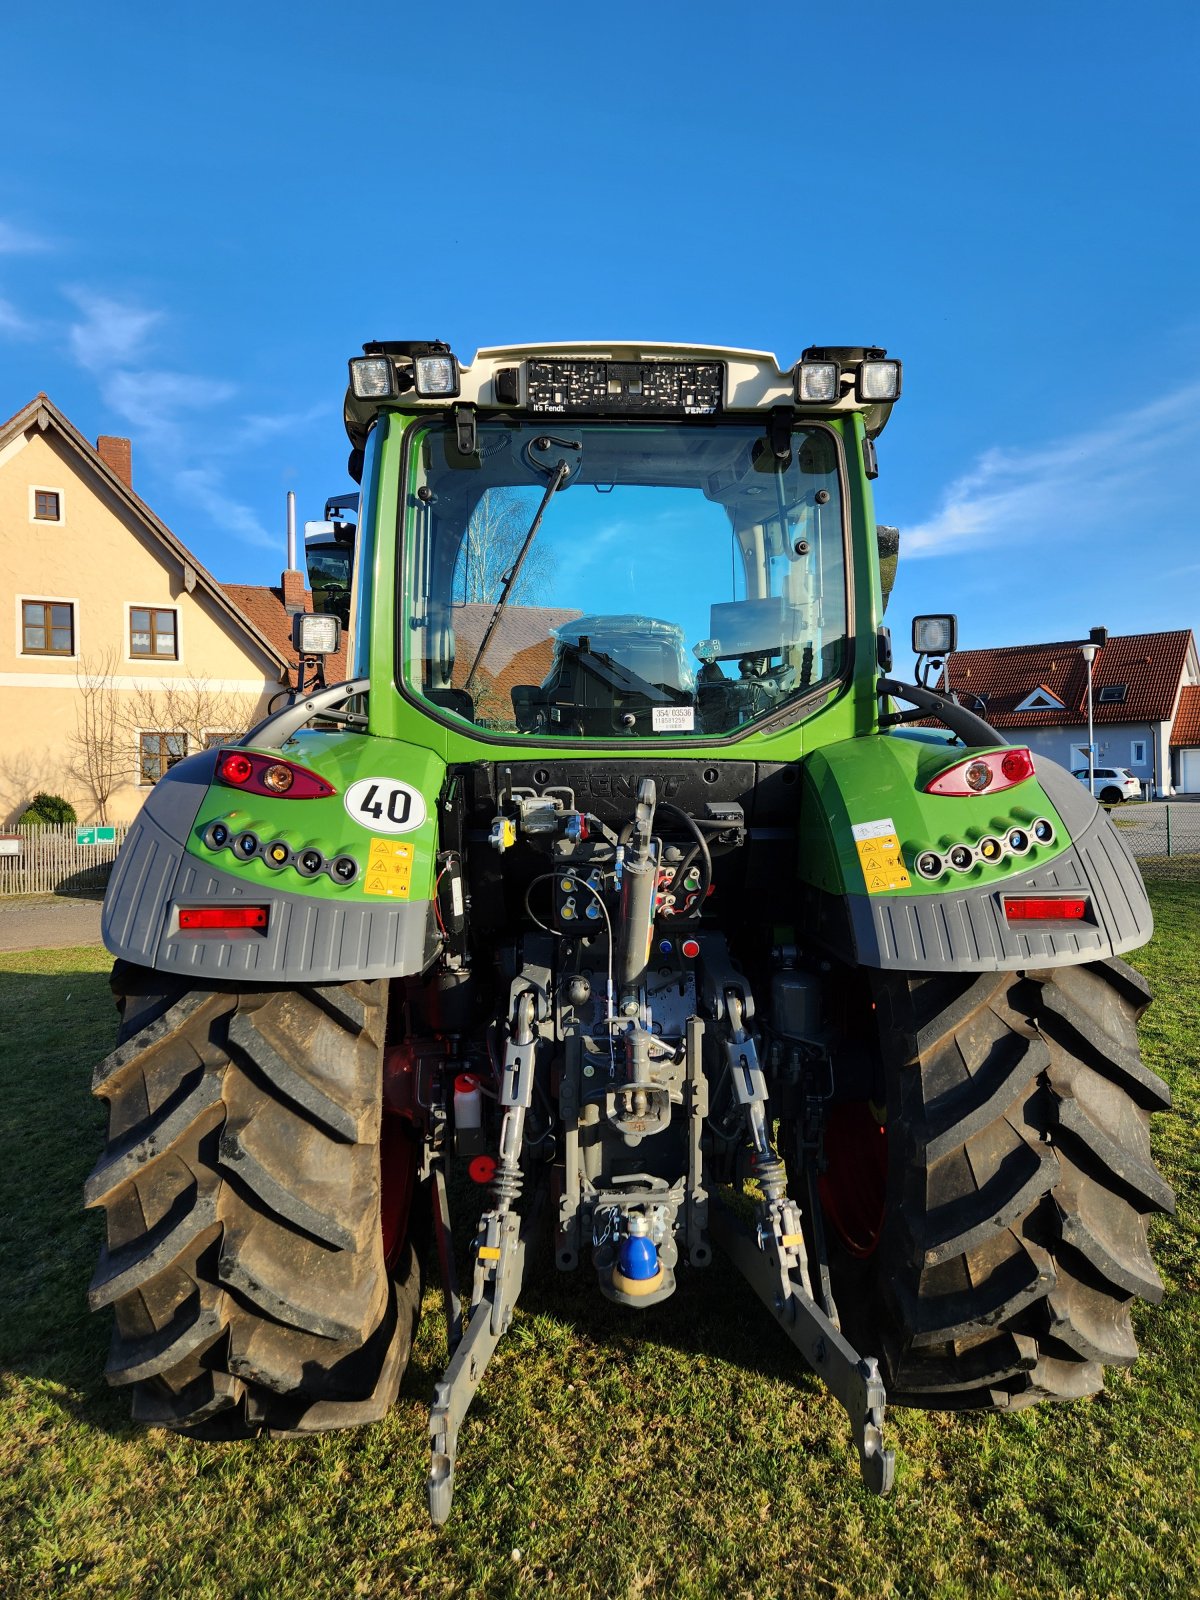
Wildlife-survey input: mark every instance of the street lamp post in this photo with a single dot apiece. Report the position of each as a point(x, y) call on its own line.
point(1089, 652)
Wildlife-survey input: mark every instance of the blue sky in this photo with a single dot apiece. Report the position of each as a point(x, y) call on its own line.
point(204, 212)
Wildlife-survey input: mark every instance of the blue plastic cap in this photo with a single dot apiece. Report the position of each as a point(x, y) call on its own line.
point(637, 1258)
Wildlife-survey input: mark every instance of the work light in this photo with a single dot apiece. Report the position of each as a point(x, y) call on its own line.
point(816, 381)
point(878, 381)
point(372, 378)
point(315, 633)
point(934, 636)
point(435, 375)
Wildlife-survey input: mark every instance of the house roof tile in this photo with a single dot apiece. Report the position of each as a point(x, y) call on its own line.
point(264, 606)
point(1185, 731)
point(1151, 665)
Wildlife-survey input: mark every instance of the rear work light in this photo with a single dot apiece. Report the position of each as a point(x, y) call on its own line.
point(1035, 909)
point(201, 919)
point(255, 774)
point(984, 774)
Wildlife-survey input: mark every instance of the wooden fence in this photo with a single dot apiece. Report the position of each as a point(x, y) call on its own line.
point(57, 859)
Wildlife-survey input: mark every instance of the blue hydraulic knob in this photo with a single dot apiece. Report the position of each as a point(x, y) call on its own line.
point(637, 1257)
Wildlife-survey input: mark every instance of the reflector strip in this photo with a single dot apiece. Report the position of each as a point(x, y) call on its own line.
point(1058, 910)
point(199, 918)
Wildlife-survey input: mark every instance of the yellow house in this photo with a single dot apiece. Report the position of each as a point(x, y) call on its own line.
point(121, 653)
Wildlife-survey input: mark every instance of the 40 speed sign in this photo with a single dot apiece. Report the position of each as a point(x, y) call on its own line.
point(385, 805)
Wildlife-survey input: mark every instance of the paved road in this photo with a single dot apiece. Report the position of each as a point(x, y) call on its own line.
point(48, 922)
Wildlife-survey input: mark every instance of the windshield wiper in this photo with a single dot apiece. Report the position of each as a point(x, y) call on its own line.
point(558, 477)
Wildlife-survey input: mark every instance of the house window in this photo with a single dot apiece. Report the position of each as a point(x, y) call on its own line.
point(1112, 694)
point(214, 740)
point(1137, 753)
point(152, 633)
point(47, 628)
point(158, 752)
point(45, 505)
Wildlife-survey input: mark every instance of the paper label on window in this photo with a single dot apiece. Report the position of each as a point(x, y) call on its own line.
point(673, 719)
point(879, 855)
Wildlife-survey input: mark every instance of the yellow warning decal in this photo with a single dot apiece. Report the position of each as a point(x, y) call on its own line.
point(389, 869)
point(879, 855)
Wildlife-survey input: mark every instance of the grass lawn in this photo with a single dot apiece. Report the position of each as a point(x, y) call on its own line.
point(685, 1452)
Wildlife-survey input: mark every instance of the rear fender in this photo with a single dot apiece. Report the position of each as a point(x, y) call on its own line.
point(866, 819)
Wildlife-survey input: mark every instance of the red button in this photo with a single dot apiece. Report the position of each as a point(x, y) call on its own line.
point(482, 1169)
point(690, 949)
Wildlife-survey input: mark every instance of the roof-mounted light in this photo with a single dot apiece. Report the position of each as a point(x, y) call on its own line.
point(817, 382)
point(436, 376)
point(372, 378)
point(877, 382)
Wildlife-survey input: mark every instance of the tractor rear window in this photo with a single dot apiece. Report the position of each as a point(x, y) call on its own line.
point(592, 580)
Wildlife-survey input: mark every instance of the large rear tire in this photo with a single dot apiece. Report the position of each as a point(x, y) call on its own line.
point(245, 1256)
point(1012, 1239)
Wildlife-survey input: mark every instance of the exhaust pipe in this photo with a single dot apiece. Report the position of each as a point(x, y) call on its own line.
point(291, 530)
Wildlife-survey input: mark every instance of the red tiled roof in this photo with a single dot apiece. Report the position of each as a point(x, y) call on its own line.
point(1185, 731)
point(264, 607)
point(1149, 664)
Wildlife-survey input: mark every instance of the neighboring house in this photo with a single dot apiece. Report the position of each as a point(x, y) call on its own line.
point(1142, 684)
point(1185, 742)
point(123, 654)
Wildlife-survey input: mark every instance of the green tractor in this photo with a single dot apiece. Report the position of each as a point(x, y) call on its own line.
point(622, 872)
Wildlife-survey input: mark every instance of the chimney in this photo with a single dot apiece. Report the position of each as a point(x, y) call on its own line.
point(295, 596)
point(117, 456)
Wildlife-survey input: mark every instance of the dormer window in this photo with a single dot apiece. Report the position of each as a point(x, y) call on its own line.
point(1041, 700)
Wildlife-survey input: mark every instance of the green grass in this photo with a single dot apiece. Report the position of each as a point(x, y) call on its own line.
point(685, 1452)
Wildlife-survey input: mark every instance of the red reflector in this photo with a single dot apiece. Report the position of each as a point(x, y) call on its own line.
point(482, 1169)
point(1058, 910)
point(200, 917)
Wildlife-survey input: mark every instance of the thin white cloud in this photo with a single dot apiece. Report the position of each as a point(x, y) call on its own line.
point(16, 241)
point(204, 488)
point(1091, 482)
point(155, 402)
point(181, 417)
point(112, 333)
point(13, 324)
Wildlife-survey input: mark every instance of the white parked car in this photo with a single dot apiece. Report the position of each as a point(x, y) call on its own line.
point(1111, 784)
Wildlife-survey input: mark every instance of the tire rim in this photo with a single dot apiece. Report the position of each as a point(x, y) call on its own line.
point(853, 1187)
point(398, 1172)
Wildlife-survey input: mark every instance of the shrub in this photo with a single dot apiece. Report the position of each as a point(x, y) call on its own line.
point(49, 808)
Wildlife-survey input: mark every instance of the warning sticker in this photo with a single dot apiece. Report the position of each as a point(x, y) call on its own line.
point(673, 719)
point(879, 855)
point(389, 869)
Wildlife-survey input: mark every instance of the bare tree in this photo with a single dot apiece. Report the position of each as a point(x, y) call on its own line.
point(99, 754)
point(110, 720)
point(497, 530)
point(193, 706)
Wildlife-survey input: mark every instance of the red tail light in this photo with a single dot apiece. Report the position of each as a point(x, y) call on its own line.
point(985, 774)
point(1029, 908)
point(201, 919)
point(255, 774)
